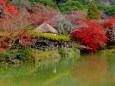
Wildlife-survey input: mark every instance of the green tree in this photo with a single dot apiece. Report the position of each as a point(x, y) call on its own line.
point(84, 2)
point(112, 2)
point(93, 12)
point(110, 11)
point(50, 3)
point(58, 2)
point(69, 6)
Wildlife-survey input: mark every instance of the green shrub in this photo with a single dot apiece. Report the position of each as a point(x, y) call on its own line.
point(24, 55)
point(84, 2)
point(70, 6)
point(110, 11)
point(46, 57)
point(49, 3)
point(112, 2)
point(59, 1)
point(70, 53)
point(30, 55)
point(2, 55)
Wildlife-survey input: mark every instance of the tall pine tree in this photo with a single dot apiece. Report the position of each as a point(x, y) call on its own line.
point(93, 12)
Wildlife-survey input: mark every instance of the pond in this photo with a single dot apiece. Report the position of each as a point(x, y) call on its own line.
point(90, 70)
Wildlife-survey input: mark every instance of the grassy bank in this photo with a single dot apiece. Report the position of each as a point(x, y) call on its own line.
point(37, 56)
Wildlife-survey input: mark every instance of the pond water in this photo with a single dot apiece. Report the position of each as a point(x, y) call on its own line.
point(90, 70)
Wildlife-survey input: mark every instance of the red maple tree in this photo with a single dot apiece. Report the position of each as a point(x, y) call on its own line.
point(91, 35)
point(109, 25)
point(3, 1)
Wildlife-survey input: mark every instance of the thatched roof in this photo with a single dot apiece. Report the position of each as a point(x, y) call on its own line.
point(46, 28)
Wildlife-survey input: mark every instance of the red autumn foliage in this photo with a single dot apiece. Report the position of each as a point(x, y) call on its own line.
point(25, 40)
point(3, 1)
point(12, 9)
point(20, 36)
point(40, 17)
point(4, 41)
point(109, 23)
point(4, 44)
point(8, 10)
point(92, 35)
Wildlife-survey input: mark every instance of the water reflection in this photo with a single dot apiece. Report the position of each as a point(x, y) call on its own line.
point(95, 70)
point(90, 70)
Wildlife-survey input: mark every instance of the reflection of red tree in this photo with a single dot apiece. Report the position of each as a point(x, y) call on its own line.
point(92, 70)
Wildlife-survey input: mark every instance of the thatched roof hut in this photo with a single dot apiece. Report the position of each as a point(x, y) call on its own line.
point(46, 28)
